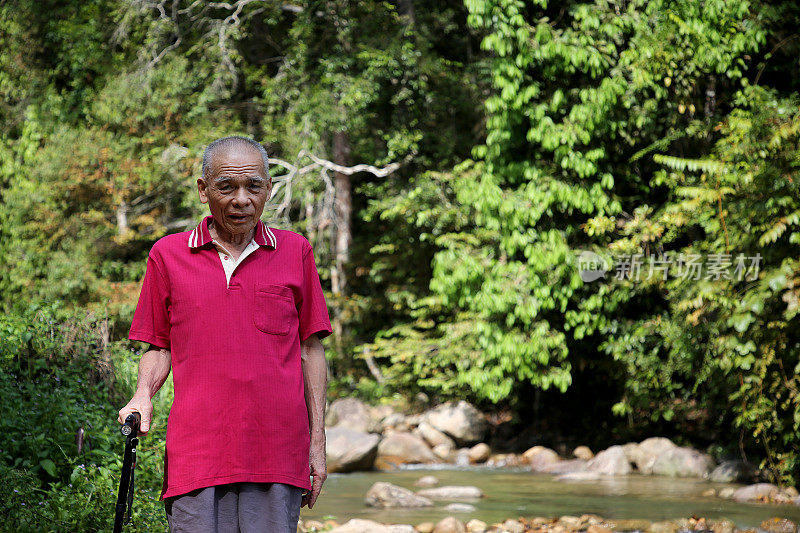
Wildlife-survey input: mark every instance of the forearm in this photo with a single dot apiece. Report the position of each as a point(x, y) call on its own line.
point(154, 368)
point(315, 379)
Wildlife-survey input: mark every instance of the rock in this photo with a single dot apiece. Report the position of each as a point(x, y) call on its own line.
point(756, 492)
point(631, 450)
point(479, 453)
point(727, 493)
point(646, 453)
point(723, 526)
point(571, 523)
point(310, 525)
point(476, 526)
point(359, 525)
point(710, 493)
point(597, 528)
point(386, 495)
point(629, 525)
point(348, 450)
point(683, 462)
point(451, 492)
point(433, 436)
point(461, 421)
point(443, 451)
point(504, 459)
point(791, 492)
point(663, 527)
point(461, 457)
point(566, 467)
point(398, 448)
point(539, 457)
point(583, 452)
point(380, 412)
point(733, 472)
point(578, 476)
point(353, 414)
point(395, 421)
point(402, 528)
point(779, 525)
point(513, 526)
point(610, 462)
point(450, 524)
point(459, 508)
point(425, 527)
point(427, 481)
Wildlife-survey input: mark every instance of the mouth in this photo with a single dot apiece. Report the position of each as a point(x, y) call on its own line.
point(239, 218)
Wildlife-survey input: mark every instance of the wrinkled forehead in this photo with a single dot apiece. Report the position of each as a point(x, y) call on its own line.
point(237, 161)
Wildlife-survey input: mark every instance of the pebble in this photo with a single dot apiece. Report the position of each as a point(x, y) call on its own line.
point(779, 525)
point(427, 481)
point(476, 526)
point(450, 524)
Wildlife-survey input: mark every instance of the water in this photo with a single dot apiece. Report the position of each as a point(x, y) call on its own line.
point(515, 493)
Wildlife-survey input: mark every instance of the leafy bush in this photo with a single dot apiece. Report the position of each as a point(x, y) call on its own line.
point(60, 448)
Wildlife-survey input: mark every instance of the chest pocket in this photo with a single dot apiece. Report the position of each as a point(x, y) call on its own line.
point(274, 309)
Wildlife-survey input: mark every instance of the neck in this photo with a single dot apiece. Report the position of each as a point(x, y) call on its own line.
point(236, 240)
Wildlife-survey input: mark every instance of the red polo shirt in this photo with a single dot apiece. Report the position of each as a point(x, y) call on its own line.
point(239, 412)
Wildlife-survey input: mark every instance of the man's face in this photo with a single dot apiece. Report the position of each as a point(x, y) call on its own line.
point(235, 189)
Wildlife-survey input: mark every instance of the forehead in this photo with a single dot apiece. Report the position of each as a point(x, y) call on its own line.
point(237, 161)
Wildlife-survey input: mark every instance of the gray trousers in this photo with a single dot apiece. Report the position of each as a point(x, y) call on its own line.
point(236, 507)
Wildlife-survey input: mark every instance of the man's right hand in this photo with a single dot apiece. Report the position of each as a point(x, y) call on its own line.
point(139, 404)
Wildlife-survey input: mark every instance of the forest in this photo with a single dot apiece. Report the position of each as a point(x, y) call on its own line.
point(451, 163)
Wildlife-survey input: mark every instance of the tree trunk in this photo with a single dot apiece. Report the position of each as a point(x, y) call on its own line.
point(406, 8)
point(343, 208)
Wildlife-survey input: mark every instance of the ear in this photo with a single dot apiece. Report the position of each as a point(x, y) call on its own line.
point(202, 189)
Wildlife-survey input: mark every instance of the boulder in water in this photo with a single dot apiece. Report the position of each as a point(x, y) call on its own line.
point(583, 452)
point(351, 413)
point(359, 525)
point(399, 448)
point(683, 462)
point(476, 526)
point(450, 524)
point(427, 481)
point(610, 462)
point(733, 472)
point(433, 436)
point(348, 450)
point(756, 492)
point(451, 492)
point(647, 451)
point(540, 457)
point(386, 495)
point(479, 453)
point(460, 420)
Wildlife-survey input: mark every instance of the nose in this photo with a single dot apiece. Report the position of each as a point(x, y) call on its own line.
point(240, 199)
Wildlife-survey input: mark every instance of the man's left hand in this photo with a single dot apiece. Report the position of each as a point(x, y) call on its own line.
point(319, 472)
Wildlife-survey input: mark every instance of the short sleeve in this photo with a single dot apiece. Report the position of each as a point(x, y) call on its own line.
point(313, 311)
point(151, 319)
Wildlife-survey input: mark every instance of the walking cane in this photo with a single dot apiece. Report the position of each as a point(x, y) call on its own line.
point(125, 496)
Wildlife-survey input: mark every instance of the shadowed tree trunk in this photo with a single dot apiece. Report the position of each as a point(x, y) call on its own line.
point(344, 234)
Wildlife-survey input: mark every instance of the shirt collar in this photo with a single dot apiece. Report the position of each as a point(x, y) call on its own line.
point(200, 236)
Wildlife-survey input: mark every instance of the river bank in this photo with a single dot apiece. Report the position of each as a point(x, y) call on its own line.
point(514, 493)
point(365, 438)
point(564, 524)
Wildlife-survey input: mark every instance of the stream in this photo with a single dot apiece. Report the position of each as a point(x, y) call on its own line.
point(512, 493)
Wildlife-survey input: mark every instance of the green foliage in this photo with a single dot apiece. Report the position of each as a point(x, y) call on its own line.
point(729, 343)
point(55, 378)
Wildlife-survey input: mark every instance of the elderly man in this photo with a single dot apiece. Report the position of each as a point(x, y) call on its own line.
point(236, 310)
